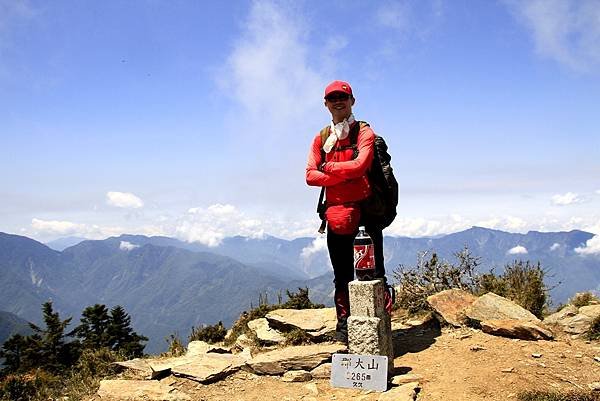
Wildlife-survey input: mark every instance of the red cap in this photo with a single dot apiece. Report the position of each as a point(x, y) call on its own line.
point(338, 86)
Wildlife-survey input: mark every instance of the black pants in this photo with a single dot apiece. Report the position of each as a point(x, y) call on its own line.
point(341, 253)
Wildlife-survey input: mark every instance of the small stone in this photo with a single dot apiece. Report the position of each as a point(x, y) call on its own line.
point(597, 358)
point(508, 370)
point(312, 388)
point(405, 392)
point(294, 376)
point(595, 386)
point(536, 355)
point(407, 378)
point(578, 355)
point(322, 371)
point(476, 348)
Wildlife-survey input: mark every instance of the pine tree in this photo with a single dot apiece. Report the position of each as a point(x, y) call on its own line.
point(93, 327)
point(19, 353)
point(122, 338)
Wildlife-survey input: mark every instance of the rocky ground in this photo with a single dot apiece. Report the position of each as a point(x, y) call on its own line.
point(448, 364)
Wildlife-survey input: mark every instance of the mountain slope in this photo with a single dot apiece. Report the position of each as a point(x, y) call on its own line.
point(169, 286)
point(11, 324)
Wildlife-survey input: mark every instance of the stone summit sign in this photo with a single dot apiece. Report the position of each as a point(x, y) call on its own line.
point(367, 372)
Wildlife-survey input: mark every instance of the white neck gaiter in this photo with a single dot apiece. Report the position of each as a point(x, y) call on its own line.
point(338, 131)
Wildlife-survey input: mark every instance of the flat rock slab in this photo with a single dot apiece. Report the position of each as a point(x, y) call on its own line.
point(264, 332)
point(315, 322)
point(201, 347)
point(204, 368)
point(404, 392)
point(450, 305)
point(209, 368)
point(494, 307)
point(138, 364)
point(139, 390)
point(305, 357)
point(516, 329)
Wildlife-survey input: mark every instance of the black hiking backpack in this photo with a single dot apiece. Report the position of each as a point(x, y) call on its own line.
point(378, 210)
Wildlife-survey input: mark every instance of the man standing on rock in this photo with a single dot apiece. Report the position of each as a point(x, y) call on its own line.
point(341, 168)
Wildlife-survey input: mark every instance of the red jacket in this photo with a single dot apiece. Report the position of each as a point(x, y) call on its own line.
point(344, 178)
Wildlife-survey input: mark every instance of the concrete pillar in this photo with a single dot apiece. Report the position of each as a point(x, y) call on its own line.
point(369, 325)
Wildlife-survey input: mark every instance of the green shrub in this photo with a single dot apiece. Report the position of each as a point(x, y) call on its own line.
point(297, 337)
point(583, 299)
point(36, 385)
point(241, 325)
point(558, 396)
point(296, 300)
point(210, 334)
point(300, 300)
point(91, 368)
point(176, 347)
point(431, 276)
point(594, 332)
point(522, 283)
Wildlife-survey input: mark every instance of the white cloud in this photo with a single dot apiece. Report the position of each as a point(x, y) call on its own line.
point(57, 227)
point(270, 61)
point(517, 250)
point(319, 244)
point(598, 191)
point(592, 246)
point(555, 246)
point(211, 225)
point(127, 246)
point(568, 198)
point(567, 31)
point(51, 229)
point(507, 223)
point(124, 200)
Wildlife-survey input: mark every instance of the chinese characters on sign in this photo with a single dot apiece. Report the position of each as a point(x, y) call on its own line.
point(359, 371)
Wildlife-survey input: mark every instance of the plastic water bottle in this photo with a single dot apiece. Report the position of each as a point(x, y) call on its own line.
point(364, 256)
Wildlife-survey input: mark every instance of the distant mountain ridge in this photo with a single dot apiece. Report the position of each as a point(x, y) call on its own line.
point(11, 324)
point(168, 285)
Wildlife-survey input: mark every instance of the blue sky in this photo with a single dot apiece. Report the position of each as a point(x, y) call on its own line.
point(193, 119)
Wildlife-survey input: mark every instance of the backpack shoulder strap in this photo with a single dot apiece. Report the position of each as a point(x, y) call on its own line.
point(324, 133)
point(355, 130)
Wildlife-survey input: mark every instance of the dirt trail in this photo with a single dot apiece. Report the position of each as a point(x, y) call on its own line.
point(455, 364)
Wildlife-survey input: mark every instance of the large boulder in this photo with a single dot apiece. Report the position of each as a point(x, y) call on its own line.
point(264, 332)
point(305, 357)
point(573, 320)
point(525, 330)
point(494, 307)
point(315, 322)
point(593, 311)
point(449, 305)
point(562, 315)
